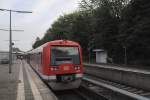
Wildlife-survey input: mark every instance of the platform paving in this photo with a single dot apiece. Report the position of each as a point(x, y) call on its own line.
point(22, 84)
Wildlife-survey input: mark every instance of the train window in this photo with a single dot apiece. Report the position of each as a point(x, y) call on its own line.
point(63, 55)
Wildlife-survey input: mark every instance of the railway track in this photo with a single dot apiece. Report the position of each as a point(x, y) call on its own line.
point(68, 94)
point(128, 76)
point(82, 93)
point(114, 91)
point(103, 83)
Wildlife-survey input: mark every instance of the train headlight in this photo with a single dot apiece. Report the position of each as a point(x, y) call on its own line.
point(77, 67)
point(54, 68)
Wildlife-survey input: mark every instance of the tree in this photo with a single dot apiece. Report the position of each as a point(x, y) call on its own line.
point(37, 43)
point(104, 20)
point(134, 31)
point(71, 27)
point(107, 24)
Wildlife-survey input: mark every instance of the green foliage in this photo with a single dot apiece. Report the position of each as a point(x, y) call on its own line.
point(134, 31)
point(107, 24)
point(37, 43)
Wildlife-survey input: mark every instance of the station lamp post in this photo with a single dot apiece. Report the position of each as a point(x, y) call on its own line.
point(10, 35)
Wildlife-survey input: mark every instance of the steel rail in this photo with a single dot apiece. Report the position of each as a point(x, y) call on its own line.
point(115, 89)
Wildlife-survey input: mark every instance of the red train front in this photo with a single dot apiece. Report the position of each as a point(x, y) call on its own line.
point(59, 63)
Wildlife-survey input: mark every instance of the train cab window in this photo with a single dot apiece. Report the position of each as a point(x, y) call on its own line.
point(63, 55)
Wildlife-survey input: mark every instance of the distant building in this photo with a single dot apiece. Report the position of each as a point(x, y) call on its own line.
point(5, 55)
point(101, 55)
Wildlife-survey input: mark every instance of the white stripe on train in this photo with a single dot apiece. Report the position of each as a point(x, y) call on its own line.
point(45, 77)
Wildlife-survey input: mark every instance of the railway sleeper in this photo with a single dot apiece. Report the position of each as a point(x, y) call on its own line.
point(128, 91)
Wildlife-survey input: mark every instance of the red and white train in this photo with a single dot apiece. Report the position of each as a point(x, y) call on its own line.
point(59, 63)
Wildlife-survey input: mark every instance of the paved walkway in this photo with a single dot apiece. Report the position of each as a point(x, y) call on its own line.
point(132, 69)
point(22, 84)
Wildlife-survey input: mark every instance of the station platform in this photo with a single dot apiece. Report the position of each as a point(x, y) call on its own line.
point(22, 84)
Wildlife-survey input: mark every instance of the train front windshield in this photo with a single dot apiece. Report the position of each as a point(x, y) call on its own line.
point(64, 55)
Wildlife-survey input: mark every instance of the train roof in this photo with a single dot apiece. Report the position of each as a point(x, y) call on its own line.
point(59, 42)
point(55, 42)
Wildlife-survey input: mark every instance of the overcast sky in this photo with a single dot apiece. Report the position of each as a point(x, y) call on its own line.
point(45, 12)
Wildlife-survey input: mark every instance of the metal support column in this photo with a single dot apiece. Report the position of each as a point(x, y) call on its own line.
point(10, 46)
